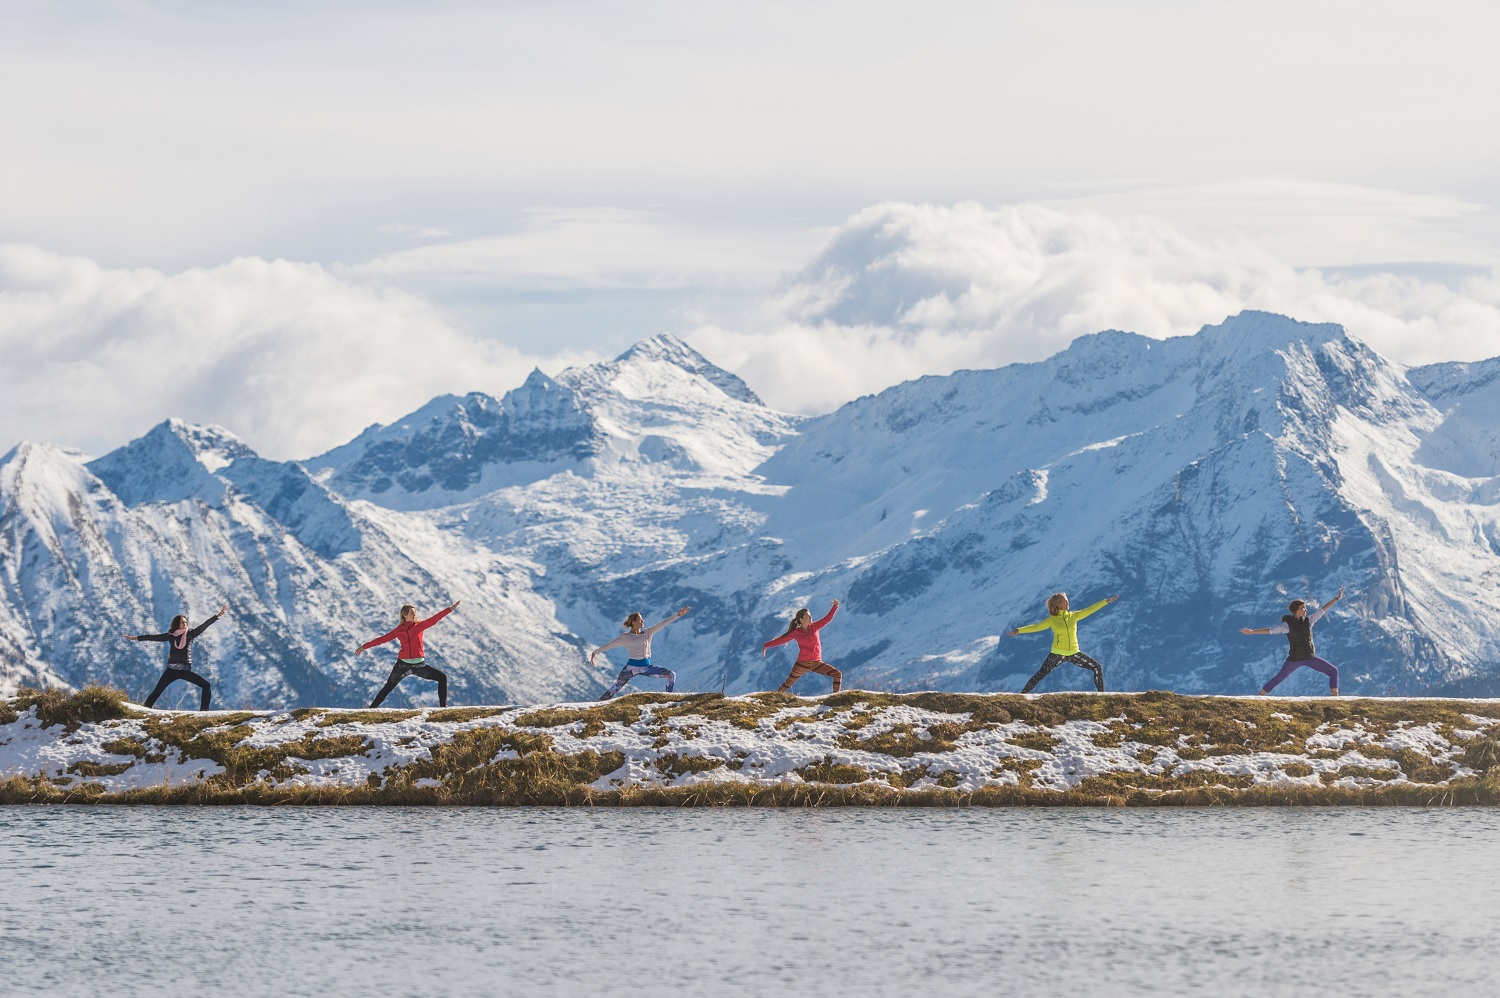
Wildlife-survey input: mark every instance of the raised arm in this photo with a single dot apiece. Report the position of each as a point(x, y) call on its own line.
point(1095, 608)
point(423, 625)
point(193, 634)
point(672, 619)
point(1325, 606)
point(818, 625)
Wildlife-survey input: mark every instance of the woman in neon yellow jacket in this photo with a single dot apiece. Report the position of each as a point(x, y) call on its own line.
point(1064, 624)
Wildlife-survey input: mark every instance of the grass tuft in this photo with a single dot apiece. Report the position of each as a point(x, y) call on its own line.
point(333, 717)
point(89, 705)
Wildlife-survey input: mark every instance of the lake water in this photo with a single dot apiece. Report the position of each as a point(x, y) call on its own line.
point(289, 901)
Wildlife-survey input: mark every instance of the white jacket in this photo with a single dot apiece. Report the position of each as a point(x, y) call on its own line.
point(637, 645)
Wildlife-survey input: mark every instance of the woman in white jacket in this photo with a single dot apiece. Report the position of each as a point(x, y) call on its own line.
point(637, 643)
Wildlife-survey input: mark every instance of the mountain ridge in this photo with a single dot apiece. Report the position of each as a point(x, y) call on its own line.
point(1208, 477)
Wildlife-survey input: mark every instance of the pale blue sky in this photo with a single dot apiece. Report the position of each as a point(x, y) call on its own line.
point(543, 183)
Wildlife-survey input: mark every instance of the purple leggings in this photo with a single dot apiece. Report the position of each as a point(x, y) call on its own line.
point(1292, 665)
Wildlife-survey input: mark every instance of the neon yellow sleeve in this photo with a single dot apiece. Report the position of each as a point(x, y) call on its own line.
point(1033, 628)
point(1091, 609)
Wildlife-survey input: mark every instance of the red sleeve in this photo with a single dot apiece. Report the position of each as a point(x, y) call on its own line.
point(780, 641)
point(423, 625)
point(382, 639)
point(818, 624)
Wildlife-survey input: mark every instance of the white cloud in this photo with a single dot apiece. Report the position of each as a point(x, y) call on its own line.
point(287, 355)
point(1316, 224)
point(599, 248)
point(903, 290)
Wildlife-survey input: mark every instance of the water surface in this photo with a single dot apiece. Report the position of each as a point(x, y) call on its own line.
point(424, 901)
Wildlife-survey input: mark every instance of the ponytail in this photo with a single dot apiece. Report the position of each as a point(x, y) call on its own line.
point(796, 617)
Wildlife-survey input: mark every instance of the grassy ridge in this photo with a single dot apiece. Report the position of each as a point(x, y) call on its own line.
point(852, 748)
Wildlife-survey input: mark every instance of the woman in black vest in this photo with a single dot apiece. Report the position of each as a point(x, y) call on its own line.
point(180, 657)
point(1297, 626)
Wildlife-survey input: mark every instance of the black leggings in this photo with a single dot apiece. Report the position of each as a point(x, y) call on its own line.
point(1078, 658)
point(402, 670)
point(187, 675)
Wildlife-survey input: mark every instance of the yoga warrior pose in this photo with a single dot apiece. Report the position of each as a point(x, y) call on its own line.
point(180, 656)
point(1064, 624)
point(637, 644)
point(1297, 626)
point(411, 661)
point(804, 630)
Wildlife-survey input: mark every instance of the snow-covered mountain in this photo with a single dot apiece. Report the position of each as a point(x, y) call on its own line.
point(1208, 479)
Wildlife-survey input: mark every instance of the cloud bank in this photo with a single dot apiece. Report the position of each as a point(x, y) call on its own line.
point(287, 355)
point(296, 357)
point(902, 290)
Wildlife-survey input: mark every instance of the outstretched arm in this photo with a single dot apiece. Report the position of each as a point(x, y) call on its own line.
point(617, 642)
point(1031, 628)
point(817, 625)
point(148, 637)
point(387, 636)
point(1330, 603)
point(776, 641)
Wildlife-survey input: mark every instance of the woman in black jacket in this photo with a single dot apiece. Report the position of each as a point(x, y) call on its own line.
point(179, 656)
point(1297, 626)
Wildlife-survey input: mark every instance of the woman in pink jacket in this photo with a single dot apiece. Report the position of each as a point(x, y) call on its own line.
point(804, 630)
point(411, 660)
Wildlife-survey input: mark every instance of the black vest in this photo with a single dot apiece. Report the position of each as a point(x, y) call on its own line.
point(1299, 634)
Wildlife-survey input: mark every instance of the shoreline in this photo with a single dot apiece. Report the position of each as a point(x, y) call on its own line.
point(853, 748)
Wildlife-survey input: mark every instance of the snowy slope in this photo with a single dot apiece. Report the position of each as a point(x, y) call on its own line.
point(1208, 479)
point(307, 576)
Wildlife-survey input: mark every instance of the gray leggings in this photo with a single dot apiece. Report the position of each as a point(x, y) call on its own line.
point(1078, 658)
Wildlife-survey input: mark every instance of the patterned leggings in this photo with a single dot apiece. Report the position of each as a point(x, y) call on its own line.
point(800, 669)
point(640, 667)
point(1078, 658)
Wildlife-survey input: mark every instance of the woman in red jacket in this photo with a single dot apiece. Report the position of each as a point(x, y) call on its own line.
point(804, 630)
point(411, 661)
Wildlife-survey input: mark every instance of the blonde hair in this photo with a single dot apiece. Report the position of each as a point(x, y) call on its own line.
point(404, 608)
point(1055, 602)
point(634, 616)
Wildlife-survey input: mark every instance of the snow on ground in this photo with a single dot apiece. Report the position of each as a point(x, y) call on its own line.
point(679, 742)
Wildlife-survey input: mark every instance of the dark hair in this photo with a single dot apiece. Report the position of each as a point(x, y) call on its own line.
point(178, 621)
point(796, 617)
point(634, 616)
point(1296, 604)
